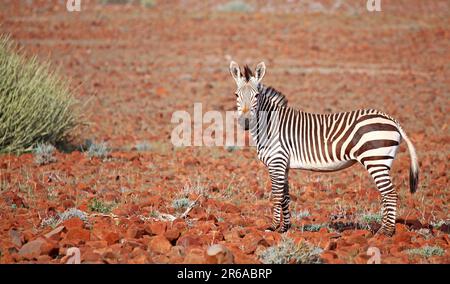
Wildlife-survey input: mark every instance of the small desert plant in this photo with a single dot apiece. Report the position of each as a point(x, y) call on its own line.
point(44, 154)
point(36, 106)
point(99, 206)
point(235, 6)
point(98, 150)
point(300, 214)
point(366, 220)
point(287, 251)
point(181, 203)
point(439, 224)
point(194, 188)
point(427, 251)
point(313, 227)
point(143, 146)
point(66, 215)
point(148, 3)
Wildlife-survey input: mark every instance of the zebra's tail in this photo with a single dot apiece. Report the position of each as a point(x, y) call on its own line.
point(414, 168)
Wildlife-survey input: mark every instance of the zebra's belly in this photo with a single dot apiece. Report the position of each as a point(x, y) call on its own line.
point(321, 167)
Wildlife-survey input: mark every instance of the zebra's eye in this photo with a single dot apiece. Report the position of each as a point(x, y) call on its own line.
point(256, 96)
point(236, 94)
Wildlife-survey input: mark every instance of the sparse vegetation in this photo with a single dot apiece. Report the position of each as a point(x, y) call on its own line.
point(439, 224)
point(100, 206)
point(313, 227)
point(427, 251)
point(196, 187)
point(36, 106)
point(300, 214)
point(98, 150)
point(181, 203)
point(44, 154)
point(287, 251)
point(66, 215)
point(143, 146)
point(367, 220)
point(148, 3)
point(235, 6)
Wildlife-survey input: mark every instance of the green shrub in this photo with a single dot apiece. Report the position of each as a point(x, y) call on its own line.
point(36, 106)
point(313, 227)
point(427, 251)
point(100, 206)
point(181, 203)
point(287, 251)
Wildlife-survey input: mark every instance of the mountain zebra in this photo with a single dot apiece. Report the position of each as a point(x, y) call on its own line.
point(288, 138)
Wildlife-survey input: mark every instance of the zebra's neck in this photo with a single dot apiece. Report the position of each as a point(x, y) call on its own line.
point(269, 98)
point(270, 104)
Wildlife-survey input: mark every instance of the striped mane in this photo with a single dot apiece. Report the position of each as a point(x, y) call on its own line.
point(275, 96)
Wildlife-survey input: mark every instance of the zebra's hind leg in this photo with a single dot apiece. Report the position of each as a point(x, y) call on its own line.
point(388, 199)
point(286, 222)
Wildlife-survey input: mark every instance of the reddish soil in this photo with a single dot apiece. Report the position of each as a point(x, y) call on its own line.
point(133, 67)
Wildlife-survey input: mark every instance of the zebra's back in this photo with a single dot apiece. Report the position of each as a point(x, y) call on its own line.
point(329, 142)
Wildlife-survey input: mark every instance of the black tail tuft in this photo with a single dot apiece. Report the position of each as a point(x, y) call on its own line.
point(413, 180)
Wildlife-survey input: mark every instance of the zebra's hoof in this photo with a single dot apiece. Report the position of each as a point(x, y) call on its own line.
point(285, 228)
point(270, 229)
point(385, 231)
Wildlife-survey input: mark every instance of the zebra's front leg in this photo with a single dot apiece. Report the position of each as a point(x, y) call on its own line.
point(286, 222)
point(277, 176)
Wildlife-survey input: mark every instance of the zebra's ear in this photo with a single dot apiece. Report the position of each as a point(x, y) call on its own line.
point(235, 71)
point(260, 71)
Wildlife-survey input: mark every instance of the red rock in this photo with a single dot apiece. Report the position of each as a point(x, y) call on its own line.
point(172, 234)
point(328, 256)
point(37, 247)
point(110, 256)
point(232, 236)
point(55, 233)
point(160, 259)
point(251, 241)
point(43, 259)
point(159, 244)
point(402, 237)
point(332, 245)
point(358, 239)
point(15, 237)
point(97, 244)
point(139, 256)
point(156, 228)
point(77, 236)
point(195, 256)
point(91, 257)
point(73, 223)
point(230, 208)
point(112, 238)
point(32, 249)
point(153, 201)
point(189, 240)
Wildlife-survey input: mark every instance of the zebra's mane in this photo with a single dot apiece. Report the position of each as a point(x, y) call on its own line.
point(275, 96)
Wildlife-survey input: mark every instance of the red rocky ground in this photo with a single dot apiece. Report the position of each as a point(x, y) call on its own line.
point(134, 67)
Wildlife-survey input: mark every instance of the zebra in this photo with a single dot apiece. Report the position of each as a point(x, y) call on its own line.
point(287, 138)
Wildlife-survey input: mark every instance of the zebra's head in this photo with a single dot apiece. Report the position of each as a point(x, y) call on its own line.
point(247, 91)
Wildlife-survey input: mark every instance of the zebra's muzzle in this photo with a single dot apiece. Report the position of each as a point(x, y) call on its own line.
point(244, 122)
